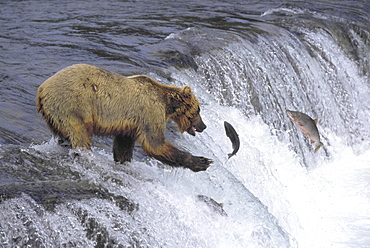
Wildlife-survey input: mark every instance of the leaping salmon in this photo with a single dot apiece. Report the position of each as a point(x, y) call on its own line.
point(233, 136)
point(307, 125)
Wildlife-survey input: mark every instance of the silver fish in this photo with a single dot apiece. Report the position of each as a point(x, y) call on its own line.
point(307, 125)
point(233, 136)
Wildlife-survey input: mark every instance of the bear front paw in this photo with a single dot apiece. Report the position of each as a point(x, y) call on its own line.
point(199, 163)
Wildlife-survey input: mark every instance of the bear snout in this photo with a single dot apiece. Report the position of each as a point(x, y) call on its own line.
point(198, 126)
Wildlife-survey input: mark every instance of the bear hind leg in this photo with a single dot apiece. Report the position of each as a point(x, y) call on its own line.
point(77, 132)
point(73, 133)
point(123, 147)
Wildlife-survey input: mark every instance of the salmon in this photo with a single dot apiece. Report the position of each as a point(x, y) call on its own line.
point(307, 125)
point(233, 136)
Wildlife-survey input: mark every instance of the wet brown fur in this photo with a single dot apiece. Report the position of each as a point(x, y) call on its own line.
point(83, 100)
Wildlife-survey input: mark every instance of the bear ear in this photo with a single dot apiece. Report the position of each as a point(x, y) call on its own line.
point(186, 91)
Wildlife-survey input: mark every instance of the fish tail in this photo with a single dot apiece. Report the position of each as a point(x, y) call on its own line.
point(318, 147)
point(229, 155)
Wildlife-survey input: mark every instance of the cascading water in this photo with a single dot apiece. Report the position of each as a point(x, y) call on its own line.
point(264, 73)
point(246, 69)
point(267, 75)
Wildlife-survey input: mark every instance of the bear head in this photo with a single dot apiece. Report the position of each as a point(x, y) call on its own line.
point(188, 114)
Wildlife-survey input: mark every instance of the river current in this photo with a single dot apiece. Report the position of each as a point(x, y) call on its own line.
point(247, 62)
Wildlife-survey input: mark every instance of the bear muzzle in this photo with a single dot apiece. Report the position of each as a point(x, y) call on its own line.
point(198, 126)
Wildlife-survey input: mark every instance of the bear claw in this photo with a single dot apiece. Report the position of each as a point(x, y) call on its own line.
point(200, 164)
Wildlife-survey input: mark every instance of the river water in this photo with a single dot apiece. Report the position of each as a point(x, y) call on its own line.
point(247, 62)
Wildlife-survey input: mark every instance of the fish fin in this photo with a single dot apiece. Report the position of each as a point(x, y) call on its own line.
point(318, 147)
point(316, 120)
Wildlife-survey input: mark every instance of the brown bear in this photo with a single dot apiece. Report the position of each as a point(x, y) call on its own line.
point(82, 100)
